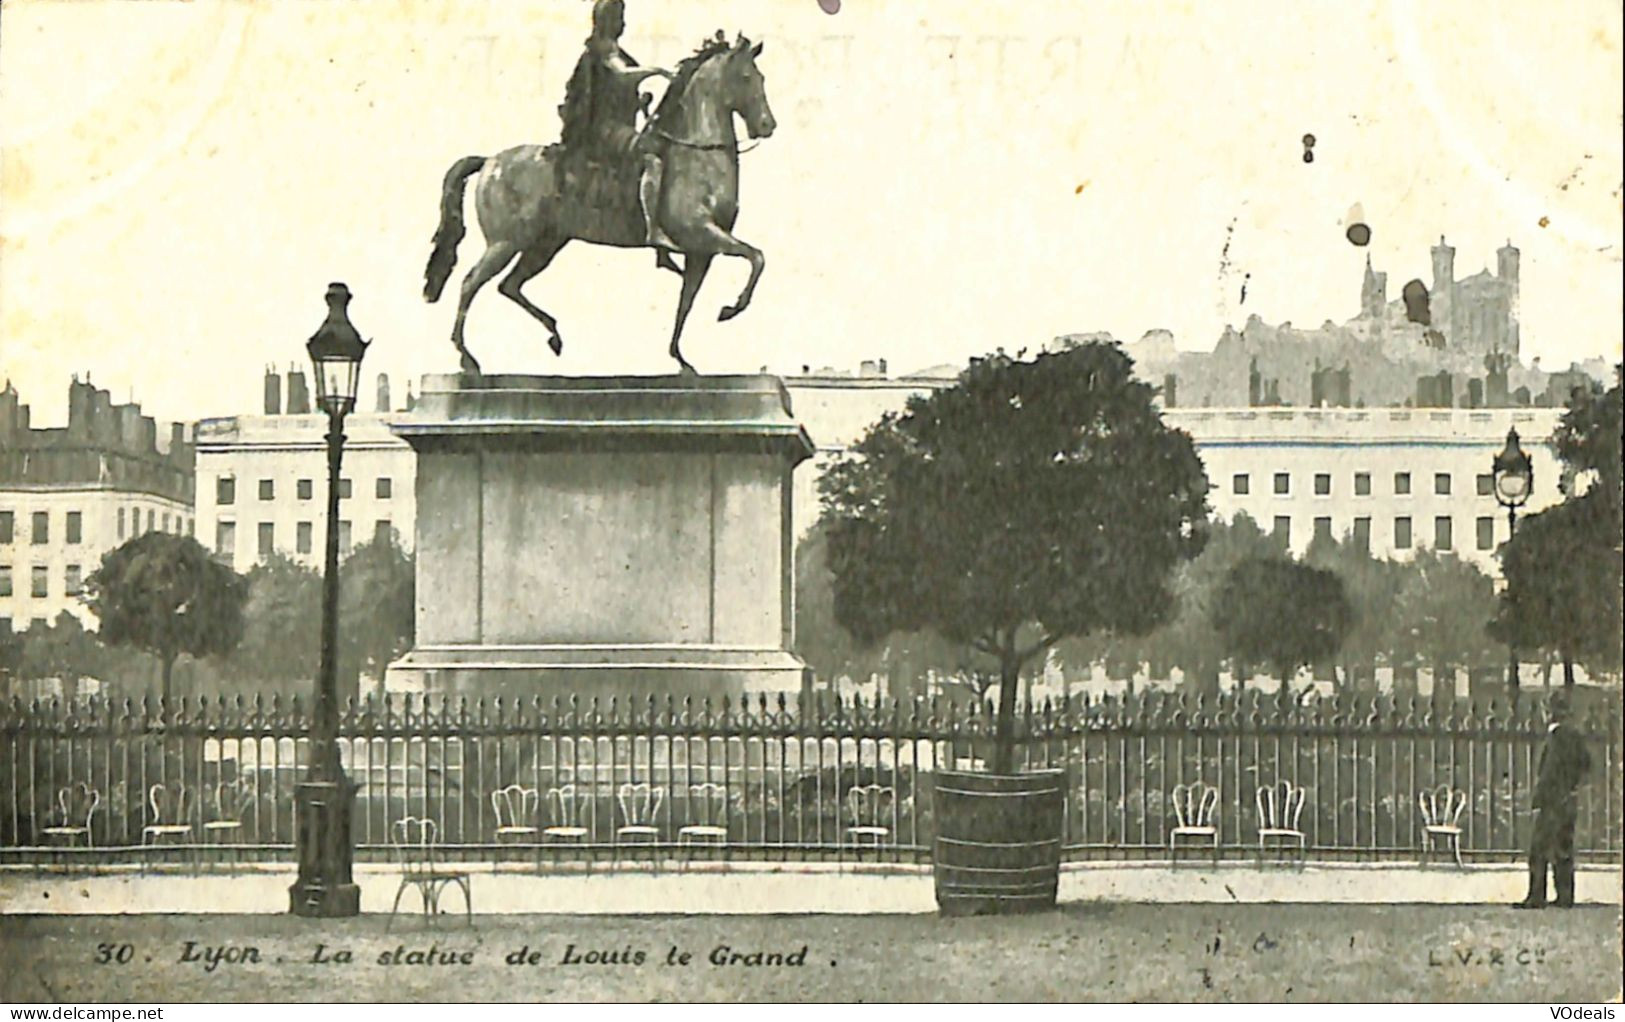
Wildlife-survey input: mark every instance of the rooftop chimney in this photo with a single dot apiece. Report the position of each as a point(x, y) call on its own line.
point(298, 393)
point(383, 392)
point(273, 391)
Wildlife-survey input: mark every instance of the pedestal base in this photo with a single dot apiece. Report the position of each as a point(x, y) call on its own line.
point(585, 672)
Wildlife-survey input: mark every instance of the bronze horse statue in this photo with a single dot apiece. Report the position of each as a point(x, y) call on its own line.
point(528, 198)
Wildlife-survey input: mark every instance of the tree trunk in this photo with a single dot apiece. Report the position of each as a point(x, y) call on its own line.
point(1004, 751)
point(1568, 670)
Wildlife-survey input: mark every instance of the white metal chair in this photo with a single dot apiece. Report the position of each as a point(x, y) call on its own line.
point(414, 841)
point(515, 810)
point(569, 808)
point(706, 810)
point(640, 805)
point(71, 818)
point(171, 806)
point(225, 825)
point(1196, 816)
point(869, 807)
point(1279, 806)
point(1441, 819)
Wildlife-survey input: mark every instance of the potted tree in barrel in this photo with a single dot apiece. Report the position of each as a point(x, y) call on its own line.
point(1034, 500)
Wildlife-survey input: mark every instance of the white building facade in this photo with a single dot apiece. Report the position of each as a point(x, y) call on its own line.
point(70, 495)
point(262, 487)
point(1395, 480)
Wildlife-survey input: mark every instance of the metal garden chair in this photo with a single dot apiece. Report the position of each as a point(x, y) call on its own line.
point(1279, 806)
point(640, 804)
point(224, 803)
point(171, 809)
point(706, 813)
point(1441, 819)
point(1196, 816)
point(514, 809)
point(869, 808)
point(414, 841)
point(71, 818)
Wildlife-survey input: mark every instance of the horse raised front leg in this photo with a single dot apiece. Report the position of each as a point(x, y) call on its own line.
point(498, 255)
point(695, 267)
point(726, 244)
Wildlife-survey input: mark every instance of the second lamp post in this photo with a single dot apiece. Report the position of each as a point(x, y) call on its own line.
point(1514, 477)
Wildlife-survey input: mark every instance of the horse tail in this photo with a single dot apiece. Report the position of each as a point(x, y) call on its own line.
point(451, 230)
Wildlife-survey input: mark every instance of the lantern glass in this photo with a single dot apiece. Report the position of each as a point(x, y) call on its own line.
point(1512, 487)
point(337, 379)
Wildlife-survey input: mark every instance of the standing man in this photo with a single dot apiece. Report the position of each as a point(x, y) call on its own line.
point(601, 104)
point(1564, 763)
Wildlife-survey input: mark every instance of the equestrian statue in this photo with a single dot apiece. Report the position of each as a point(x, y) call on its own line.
point(671, 184)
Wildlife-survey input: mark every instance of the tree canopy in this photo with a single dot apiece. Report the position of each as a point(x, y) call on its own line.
point(377, 607)
point(1277, 611)
point(283, 623)
point(1043, 494)
point(165, 595)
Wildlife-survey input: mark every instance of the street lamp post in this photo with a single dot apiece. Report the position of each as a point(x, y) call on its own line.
point(1514, 477)
point(325, 886)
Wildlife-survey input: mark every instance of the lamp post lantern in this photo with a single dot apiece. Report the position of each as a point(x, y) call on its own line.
point(1514, 476)
point(326, 886)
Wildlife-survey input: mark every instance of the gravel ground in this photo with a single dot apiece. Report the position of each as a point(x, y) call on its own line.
point(1079, 953)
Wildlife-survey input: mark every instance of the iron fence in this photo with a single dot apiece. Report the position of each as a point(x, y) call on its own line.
point(797, 778)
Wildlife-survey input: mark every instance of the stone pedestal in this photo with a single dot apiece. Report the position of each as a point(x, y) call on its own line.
point(625, 536)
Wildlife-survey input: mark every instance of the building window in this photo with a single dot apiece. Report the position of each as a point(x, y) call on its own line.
point(385, 488)
point(1486, 484)
point(344, 489)
point(1486, 533)
point(302, 537)
point(1283, 528)
point(1441, 483)
point(344, 537)
point(191, 526)
point(1323, 528)
point(1443, 537)
point(120, 523)
point(166, 522)
point(40, 581)
point(382, 532)
point(1283, 483)
point(1362, 484)
point(225, 490)
point(1362, 535)
point(1402, 483)
point(5, 580)
point(76, 526)
point(267, 489)
point(1239, 484)
point(7, 525)
point(305, 489)
point(1402, 533)
point(72, 583)
point(152, 519)
point(42, 527)
point(267, 540)
point(5, 626)
point(1323, 484)
point(225, 540)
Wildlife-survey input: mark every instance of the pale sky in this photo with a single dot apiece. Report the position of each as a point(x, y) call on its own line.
point(180, 181)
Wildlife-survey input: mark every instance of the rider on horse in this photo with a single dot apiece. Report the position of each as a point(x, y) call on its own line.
point(601, 104)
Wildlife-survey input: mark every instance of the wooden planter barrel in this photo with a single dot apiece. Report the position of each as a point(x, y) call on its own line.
point(998, 848)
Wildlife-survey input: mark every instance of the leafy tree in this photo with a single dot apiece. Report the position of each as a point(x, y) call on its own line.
point(1565, 567)
point(63, 650)
point(1370, 585)
point(832, 652)
point(165, 595)
point(377, 607)
point(1563, 591)
point(1274, 610)
point(11, 653)
point(282, 623)
point(1032, 501)
point(1442, 606)
point(1188, 639)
